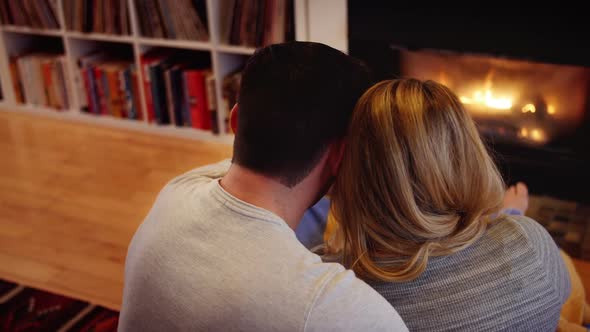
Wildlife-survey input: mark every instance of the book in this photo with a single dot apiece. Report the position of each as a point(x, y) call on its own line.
point(110, 86)
point(197, 98)
point(97, 16)
point(39, 14)
point(177, 95)
point(17, 84)
point(38, 79)
point(173, 19)
point(147, 60)
point(211, 101)
point(257, 23)
point(169, 99)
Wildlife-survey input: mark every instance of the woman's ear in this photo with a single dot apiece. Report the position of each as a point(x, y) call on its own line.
point(233, 119)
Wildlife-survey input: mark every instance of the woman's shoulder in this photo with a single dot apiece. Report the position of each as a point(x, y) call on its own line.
point(526, 231)
point(505, 225)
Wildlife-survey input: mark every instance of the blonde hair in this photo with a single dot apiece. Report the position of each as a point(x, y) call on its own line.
point(416, 180)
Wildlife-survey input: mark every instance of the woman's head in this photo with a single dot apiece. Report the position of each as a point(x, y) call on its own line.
point(416, 180)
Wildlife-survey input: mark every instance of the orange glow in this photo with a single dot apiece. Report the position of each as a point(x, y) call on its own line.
point(550, 109)
point(537, 135)
point(529, 108)
point(487, 99)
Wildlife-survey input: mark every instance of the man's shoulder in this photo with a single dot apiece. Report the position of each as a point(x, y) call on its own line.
point(345, 303)
point(197, 177)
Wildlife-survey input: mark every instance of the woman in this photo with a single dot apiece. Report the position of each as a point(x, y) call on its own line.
point(417, 201)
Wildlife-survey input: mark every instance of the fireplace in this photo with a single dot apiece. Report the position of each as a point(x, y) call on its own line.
point(525, 82)
point(513, 102)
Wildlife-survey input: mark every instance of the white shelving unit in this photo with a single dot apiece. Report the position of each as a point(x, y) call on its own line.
point(224, 58)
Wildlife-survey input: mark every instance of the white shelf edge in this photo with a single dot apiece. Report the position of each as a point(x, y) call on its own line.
point(100, 37)
point(246, 50)
point(33, 31)
point(112, 122)
point(176, 43)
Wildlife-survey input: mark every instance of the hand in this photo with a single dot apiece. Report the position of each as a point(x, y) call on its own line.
point(517, 197)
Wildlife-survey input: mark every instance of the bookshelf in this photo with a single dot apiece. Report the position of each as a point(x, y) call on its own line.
point(224, 59)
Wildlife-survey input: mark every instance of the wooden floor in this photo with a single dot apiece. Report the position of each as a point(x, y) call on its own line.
point(72, 195)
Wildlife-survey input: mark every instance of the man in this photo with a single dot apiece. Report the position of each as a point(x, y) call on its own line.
point(218, 252)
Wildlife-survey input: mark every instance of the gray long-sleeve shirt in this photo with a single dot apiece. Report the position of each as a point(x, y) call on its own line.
point(512, 279)
point(204, 260)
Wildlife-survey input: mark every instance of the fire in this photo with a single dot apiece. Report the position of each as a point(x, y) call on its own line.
point(533, 134)
point(537, 135)
point(550, 109)
point(488, 100)
point(529, 108)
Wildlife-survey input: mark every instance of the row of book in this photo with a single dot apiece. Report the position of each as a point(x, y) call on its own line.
point(39, 79)
point(257, 22)
point(108, 87)
point(178, 91)
point(173, 19)
point(39, 14)
point(97, 16)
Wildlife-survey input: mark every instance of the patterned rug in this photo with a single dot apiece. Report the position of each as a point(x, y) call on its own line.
point(24, 309)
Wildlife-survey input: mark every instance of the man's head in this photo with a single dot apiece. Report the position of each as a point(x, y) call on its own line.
point(295, 102)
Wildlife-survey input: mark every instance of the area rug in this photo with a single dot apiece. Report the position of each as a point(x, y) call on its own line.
point(24, 309)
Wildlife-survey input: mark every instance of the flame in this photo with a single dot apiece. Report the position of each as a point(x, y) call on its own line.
point(537, 135)
point(487, 99)
point(550, 109)
point(533, 134)
point(529, 108)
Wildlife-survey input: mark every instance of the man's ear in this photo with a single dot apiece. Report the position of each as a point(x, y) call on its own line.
point(233, 119)
point(336, 154)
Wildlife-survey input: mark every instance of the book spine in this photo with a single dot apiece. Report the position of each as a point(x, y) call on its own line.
point(55, 88)
point(169, 100)
point(178, 96)
point(123, 20)
point(166, 19)
point(212, 102)
point(153, 18)
point(236, 23)
point(198, 99)
point(40, 89)
point(155, 94)
point(22, 72)
point(82, 86)
point(113, 84)
point(93, 91)
point(186, 109)
point(149, 102)
point(64, 87)
point(47, 83)
point(4, 13)
point(17, 84)
point(135, 94)
point(100, 93)
point(129, 102)
point(159, 93)
point(53, 7)
point(87, 93)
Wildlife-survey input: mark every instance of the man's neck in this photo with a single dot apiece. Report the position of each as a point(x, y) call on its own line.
point(265, 193)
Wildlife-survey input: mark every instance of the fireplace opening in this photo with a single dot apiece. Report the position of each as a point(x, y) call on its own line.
point(512, 101)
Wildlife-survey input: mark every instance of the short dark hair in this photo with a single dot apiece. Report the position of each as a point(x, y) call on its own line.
point(295, 99)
